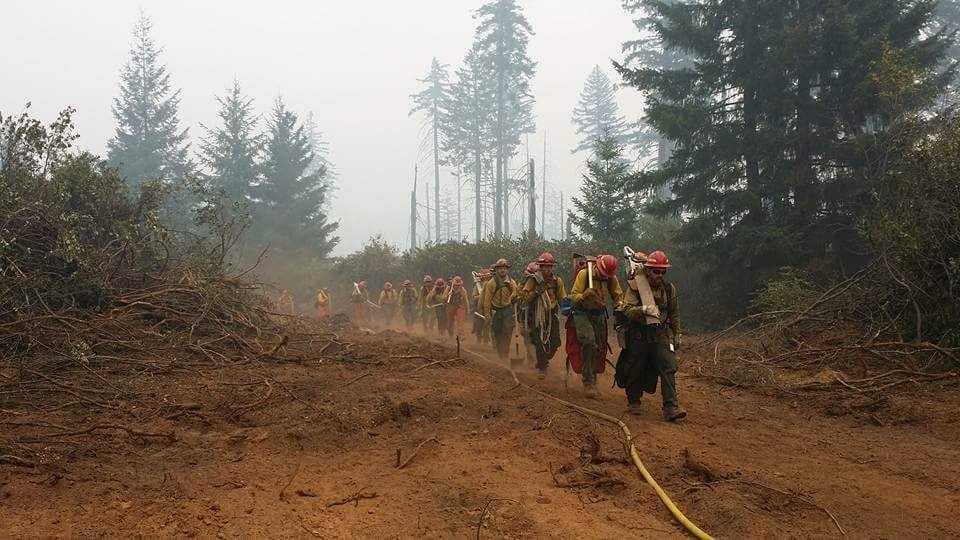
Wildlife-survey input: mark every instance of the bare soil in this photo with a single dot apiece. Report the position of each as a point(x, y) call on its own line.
point(312, 449)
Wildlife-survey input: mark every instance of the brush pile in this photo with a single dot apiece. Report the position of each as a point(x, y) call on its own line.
point(101, 296)
point(849, 338)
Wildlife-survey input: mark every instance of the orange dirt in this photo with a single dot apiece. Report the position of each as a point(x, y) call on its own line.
point(312, 449)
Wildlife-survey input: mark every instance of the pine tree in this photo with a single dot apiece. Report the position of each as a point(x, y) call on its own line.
point(230, 151)
point(148, 143)
point(603, 210)
point(434, 102)
point(597, 112)
point(470, 127)
point(501, 41)
point(289, 212)
point(773, 136)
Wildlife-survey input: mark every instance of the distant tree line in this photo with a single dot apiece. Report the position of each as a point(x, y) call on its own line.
point(476, 122)
point(273, 171)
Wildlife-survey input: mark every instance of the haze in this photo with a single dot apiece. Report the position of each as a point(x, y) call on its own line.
point(353, 64)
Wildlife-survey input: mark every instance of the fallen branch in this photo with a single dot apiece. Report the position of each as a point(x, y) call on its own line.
point(484, 513)
point(799, 498)
point(435, 362)
point(355, 379)
point(407, 461)
point(355, 498)
point(18, 461)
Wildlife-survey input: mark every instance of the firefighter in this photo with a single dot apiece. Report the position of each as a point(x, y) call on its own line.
point(542, 293)
point(322, 303)
point(497, 303)
point(408, 300)
point(457, 304)
point(387, 303)
point(358, 300)
point(590, 314)
point(651, 346)
point(525, 314)
point(437, 305)
point(479, 324)
point(426, 314)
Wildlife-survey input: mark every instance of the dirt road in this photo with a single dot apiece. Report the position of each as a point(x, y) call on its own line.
point(312, 450)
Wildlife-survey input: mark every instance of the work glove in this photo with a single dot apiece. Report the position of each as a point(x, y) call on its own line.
point(635, 313)
point(539, 277)
point(652, 311)
point(589, 295)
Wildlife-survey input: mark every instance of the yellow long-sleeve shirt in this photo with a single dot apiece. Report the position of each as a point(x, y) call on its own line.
point(388, 298)
point(458, 297)
point(553, 288)
point(605, 288)
point(497, 294)
point(408, 295)
point(437, 296)
point(424, 295)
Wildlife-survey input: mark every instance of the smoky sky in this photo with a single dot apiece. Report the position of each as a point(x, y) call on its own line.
point(352, 64)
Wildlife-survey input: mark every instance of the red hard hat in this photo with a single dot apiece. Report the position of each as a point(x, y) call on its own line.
point(501, 263)
point(546, 259)
point(457, 281)
point(438, 283)
point(388, 285)
point(607, 266)
point(531, 269)
point(657, 259)
point(427, 279)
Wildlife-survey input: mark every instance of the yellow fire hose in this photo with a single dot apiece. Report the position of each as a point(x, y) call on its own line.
point(628, 444)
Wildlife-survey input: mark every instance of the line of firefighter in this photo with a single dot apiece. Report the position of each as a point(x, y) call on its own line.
point(648, 349)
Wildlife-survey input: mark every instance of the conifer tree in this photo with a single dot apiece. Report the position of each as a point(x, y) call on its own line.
point(289, 211)
point(597, 112)
point(148, 143)
point(774, 136)
point(470, 128)
point(434, 102)
point(501, 41)
point(229, 151)
point(603, 210)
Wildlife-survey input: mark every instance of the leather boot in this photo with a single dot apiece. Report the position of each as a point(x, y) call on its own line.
point(673, 413)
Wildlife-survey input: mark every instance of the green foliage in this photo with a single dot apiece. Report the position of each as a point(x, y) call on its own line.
point(289, 213)
point(780, 125)
point(604, 213)
point(74, 237)
point(148, 143)
point(915, 230)
point(230, 151)
point(789, 290)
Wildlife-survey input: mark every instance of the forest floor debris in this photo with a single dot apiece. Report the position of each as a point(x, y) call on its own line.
point(237, 444)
